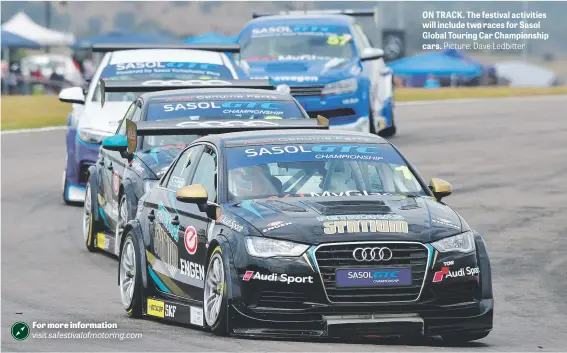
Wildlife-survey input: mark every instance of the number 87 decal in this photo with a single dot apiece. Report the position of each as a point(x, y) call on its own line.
point(338, 40)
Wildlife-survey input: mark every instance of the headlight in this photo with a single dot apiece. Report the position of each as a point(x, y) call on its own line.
point(265, 247)
point(149, 184)
point(463, 242)
point(340, 87)
point(92, 136)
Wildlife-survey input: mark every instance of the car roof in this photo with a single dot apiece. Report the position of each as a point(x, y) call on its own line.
point(163, 95)
point(323, 19)
point(171, 55)
point(282, 137)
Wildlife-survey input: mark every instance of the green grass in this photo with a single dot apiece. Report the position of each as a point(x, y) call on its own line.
point(25, 112)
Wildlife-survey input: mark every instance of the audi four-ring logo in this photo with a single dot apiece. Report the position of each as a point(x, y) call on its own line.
point(372, 254)
point(185, 82)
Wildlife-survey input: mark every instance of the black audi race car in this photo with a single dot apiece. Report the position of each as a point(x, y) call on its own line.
point(125, 171)
point(298, 233)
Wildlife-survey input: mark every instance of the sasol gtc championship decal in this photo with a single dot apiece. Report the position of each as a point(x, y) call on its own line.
point(371, 278)
point(276, 277)
point(276, 225)
point(191, 240)
point(447, 273)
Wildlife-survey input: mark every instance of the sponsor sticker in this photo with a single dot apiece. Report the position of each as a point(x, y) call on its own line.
point(164, 218)
point(116, 183)
point(102, 242)
point(156, 308)
point(192, 269)
point(374, 277)
point(359, 217)
point(196, 316)
point(276, 225)
point(276, 277)
point(166, 250)
point(365, 226)
point(231, 223)
point(445, 222)
point(191, 240)
point(445, 272)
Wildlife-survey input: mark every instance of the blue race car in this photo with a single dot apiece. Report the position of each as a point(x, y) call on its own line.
point(89, 123)
point(327, 63)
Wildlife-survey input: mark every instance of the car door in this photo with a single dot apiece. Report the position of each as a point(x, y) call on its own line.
point(166, 234)
point(194, 223)
point(112, 165)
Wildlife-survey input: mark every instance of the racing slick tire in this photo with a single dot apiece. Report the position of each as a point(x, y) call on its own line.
point(90, 225)
point(130, 277)
point(464, 337)
point(215, 298)
point(391, 131)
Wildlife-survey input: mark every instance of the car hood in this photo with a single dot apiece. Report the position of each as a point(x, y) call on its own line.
point(304, 219)
point(304, 72)
point(104, 119)
point(154, 162)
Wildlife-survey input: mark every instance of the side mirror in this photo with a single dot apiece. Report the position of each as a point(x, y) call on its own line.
point(192, 194)
point(440, 188)
point(371, 54)
point(115, 143)
point(72, 95)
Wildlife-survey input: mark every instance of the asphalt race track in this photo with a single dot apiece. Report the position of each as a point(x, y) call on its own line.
point(507, 160)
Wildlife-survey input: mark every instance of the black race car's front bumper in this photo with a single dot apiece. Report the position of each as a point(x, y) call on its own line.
point(364, 321)
point(451, 295)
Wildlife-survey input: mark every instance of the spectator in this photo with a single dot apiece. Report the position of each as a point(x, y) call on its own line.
point(14, 78)
point(431, 82)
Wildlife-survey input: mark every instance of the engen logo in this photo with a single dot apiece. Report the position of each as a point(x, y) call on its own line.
point(276, 277)
point(191, 240)
point(446, 273)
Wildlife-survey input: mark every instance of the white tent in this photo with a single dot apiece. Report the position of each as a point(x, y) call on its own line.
point(520, 73)
point(22, 25)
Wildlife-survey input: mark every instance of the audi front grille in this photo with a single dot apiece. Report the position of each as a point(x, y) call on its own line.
point(336, 256)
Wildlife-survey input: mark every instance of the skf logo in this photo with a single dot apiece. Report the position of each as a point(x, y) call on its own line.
point(438, 276)
point(170, 310)
point(248, 275)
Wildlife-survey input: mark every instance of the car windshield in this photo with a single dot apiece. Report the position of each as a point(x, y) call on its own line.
point(312, 170)
point(296, 43)
point(146, 71)
point(173, 143)
point(227, 106)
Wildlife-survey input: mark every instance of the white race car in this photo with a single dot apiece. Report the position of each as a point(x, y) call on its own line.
point(89, 123)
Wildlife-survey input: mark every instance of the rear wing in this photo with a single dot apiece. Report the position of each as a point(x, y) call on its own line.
point(208, 127)
point(219, 48)
point(349, 12)
point(165, 85)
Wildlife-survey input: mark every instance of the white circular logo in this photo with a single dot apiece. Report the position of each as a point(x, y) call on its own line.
point(191, 240)
point(283, 88)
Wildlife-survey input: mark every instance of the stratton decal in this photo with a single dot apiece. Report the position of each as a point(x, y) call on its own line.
point(446, 273)
point(164, 217)
point(166, 250)
point(365, 226)
point(276, 277)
